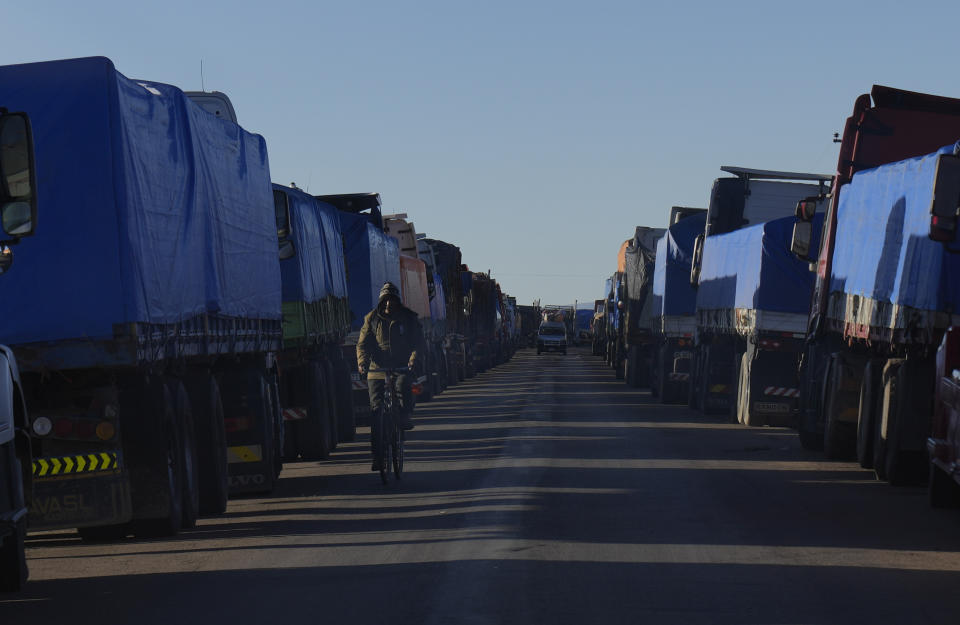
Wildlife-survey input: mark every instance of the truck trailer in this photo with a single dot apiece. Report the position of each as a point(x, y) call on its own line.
point(636, 343)
point(887, 125)
point(893, 292)
point(157, 393)
point(675, 306)
point(315, 390)
point(751, 308)
point(371, 257)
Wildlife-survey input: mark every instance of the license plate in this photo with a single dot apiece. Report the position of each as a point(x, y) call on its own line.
point(683, 354)
point(761, 406)
point(355, 377)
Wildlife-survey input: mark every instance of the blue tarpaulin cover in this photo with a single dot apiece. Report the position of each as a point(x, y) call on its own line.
point(672, 292)
point(753, 268)
point(883, 251)
point(584, 318)
point(438, 303)
point(316, 269)
point(373, 257)
point(151, 210)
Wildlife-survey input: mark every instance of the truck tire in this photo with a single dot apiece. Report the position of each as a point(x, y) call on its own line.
point(211, 440)
point(885, 425)
point(346, 420)
point(276, 412)
point(313, 433)
point(630, 368)
point(152, 419)
point(191, 473)
point(867, 412)
point(13, 559)
point(330, 387)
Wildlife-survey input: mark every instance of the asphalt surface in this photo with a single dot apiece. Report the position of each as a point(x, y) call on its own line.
point(543, 491)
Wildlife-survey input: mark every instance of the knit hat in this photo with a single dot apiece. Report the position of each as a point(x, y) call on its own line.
point(389, 289)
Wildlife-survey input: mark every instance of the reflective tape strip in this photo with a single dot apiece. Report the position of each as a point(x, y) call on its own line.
point(72, 465)
point(294, 414)
point(244, 453)
point(780, 391)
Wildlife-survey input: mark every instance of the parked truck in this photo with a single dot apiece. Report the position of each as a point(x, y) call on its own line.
point(481, 310)
point(18, 218)
point(315, 388)
point(449, 270)
point(746, 197)
point(156, 394)
point(675, 306)
point(415, 288)
point(751, 308)
point(371, 257)
point(892, 294)
point(636, 344)
point(867, 338)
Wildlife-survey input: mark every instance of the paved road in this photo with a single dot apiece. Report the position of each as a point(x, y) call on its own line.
point(540, 492)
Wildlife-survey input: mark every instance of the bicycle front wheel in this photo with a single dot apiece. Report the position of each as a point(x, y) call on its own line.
point(397, 448)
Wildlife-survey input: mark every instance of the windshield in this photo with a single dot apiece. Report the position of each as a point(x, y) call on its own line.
point(552, 331)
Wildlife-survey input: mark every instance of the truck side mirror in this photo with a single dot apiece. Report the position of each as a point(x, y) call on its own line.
point(18, 202)
point(696, 261)
point(807, 208)
point(945, 203)
point(800, 243)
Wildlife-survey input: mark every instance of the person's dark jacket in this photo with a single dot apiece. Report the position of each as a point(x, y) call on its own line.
point(389, 342)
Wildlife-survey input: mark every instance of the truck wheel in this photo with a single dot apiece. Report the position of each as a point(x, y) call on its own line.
point(211, 440)
point(330, 392)
point(346, 421)
point(163, 472)
point(276, 413)
point(885, 425)
point(190, 472)
point(314, 431)
point(867, 413)
point(13, 560)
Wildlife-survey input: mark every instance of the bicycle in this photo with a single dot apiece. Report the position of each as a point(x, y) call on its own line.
point(391, 434)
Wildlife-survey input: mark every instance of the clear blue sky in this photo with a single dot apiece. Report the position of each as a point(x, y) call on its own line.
point(534, 135)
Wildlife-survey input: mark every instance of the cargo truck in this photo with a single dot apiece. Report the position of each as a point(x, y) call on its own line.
point(746, 197)
point(18, 218)
point(415, 289)
point(751, 306)
point(849, 359)
point(315, 388)
point(157, 393)
point(893, 292)
point(481, 309)
point(675, 305)
point(449, 264)
point(636, 342)
point(371, 257)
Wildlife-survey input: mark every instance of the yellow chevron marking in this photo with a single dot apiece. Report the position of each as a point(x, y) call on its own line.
point(103, 461)
point(244, 453)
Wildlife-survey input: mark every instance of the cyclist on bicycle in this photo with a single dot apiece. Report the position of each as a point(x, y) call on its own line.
point(390, 338)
